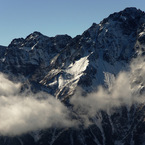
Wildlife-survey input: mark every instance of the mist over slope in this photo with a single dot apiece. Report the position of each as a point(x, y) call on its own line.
point(22, 112)
point(84, 90)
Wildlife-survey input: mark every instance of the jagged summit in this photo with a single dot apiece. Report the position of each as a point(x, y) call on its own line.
point(128, 18)
point(60, 64)
point(34, 35)
point(132, 10)
point(126, 14)
point(116, 39)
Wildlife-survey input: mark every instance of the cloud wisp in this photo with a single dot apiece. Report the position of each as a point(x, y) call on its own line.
point(125, 89)
point(21, 113)
point(24, 112)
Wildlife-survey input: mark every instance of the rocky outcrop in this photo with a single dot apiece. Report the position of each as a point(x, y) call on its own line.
point(60, 64)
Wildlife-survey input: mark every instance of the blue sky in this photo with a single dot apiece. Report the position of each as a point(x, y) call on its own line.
point(19, 18)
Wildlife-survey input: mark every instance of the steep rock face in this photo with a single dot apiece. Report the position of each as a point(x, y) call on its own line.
point(2, 55)
point(2, 51)
point(107, 47)
point(60, 64)
point(24, 56)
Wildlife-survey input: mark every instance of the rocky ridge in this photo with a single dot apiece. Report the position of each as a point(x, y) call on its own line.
point(58, 65)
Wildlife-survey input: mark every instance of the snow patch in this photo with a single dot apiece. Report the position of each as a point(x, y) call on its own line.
point(25, 48)
point(76, 70)
point(78, 67)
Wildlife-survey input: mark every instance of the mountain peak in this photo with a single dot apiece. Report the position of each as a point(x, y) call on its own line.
point(34, 35)
point(131, 9)
point(126, 14)
point(61, 64)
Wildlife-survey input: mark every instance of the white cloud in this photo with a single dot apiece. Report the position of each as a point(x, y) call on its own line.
point(21, 113)
point(7, 87)
point(124, 90)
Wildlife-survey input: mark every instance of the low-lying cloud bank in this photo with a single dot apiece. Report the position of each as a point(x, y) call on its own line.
point(126, 89)
point(23, 112)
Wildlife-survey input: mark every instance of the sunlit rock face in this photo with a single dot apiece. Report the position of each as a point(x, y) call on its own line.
point(59, 65)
